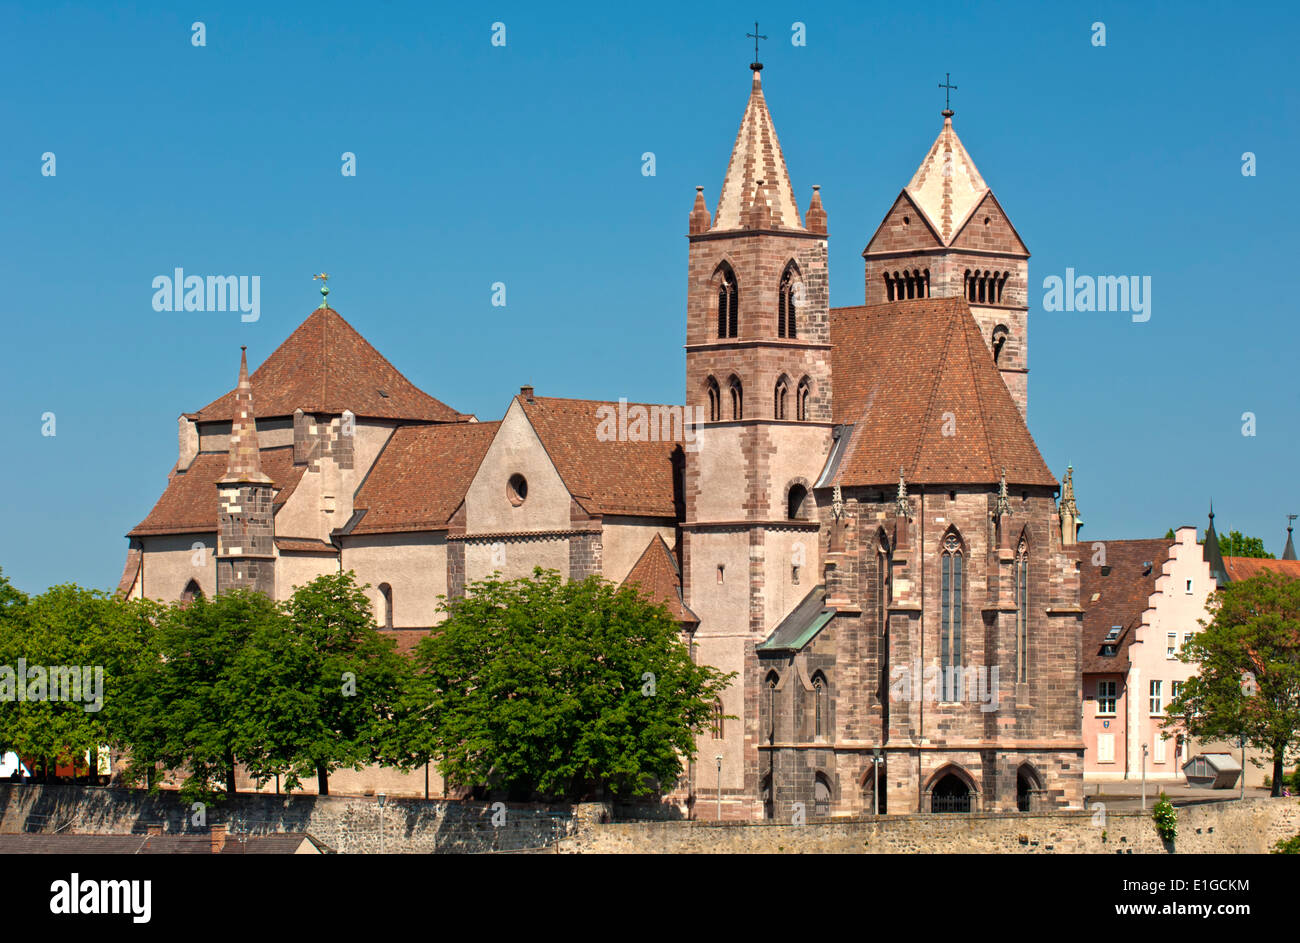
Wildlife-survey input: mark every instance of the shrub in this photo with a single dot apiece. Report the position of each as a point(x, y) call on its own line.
point(1166, 818)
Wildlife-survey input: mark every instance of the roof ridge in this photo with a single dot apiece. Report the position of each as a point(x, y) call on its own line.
point(979, 396)
point(930, 400)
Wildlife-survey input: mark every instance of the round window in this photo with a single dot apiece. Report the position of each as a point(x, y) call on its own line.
point(517, 489)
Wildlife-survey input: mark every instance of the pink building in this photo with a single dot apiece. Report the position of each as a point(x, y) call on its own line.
point(1142, 600)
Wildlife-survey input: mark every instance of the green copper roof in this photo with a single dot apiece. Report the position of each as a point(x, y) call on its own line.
point(800, 626)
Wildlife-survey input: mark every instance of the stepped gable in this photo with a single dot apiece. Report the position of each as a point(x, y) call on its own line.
point(420, 478)
point(908, 372)
point(325, 367)
point(609, 474)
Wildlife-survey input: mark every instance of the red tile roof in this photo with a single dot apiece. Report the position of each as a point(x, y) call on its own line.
point(899, 369)
point(325, 366)
point(1123, 591)
point(1243, 568)
point(420, 477)
point(656, 574)
point(189, 503)
point(605, 477)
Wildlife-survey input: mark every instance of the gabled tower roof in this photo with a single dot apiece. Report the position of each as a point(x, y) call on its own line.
point(947, 187)
point(756, 158)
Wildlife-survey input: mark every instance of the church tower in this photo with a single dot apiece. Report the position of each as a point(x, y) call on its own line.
point(758, 372)
point(947, 236)
point(245, 513)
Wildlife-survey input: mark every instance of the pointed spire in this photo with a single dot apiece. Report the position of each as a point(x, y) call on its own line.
point(902, 506)
point(816, 217)
point(1211, 553)
point(946, 187)
point(756, 156)
point(1069, 510)
point(700, 218)
point(245, 462)
point(1289, 552)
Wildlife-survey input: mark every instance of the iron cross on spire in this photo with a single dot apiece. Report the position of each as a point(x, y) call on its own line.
point(755, 36)
point(948, 90)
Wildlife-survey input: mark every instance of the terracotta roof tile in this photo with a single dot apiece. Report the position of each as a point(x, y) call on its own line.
point(659, 579)
point(189, 503)
point(909, 371)
point(421, 476)
point(1123, 590)
point(325, 366)
point(1243, 568)
point(606, 474)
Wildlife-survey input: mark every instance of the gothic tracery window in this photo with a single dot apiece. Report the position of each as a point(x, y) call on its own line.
point(779, 397)
point(728, 304)
point(737, 399)
point(786, 314)
point(715, 400)
point(1021, 578)
point(950, 623)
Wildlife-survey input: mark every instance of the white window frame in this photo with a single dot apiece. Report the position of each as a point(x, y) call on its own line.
point(1156, 701)
point(1189, 588)
point(1171, 645)
point(1107, 691)
point(1105, 748)
point(1158, 748)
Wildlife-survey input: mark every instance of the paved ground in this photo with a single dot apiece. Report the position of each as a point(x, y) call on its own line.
point(1128, 794)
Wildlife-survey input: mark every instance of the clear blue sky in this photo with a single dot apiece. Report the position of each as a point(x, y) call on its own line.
point(522, 164)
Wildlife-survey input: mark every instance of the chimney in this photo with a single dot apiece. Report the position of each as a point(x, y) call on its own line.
point(217, 834)
point(153, 828)
point(527, 393)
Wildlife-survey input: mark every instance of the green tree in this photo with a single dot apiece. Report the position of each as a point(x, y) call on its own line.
point(185, 699)
point(563, 689)
point(318, 690)
point(1248, 681)
point(78, 648)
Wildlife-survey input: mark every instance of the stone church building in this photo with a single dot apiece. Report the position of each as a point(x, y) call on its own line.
point(848, 511)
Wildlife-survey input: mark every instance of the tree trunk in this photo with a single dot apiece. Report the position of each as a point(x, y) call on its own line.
point(230, 772)
point(92, 776)
point(322, 780)
point(1278, 774)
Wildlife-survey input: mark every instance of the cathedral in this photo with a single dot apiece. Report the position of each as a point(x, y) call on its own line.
point(847, 509)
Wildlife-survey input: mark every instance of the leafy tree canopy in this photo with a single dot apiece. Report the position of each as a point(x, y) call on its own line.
point(562, 689)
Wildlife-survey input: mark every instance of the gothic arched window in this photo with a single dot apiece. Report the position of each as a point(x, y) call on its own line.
point(191, 592)
point(715, 400)
point(786, 314)
point(801, 399)
point(737, 399)
point(950, 618)
point(1021, 579)
point(773, 679)
point(778, 403)
point(718, 728)
point(819, 705)
point(728, 303)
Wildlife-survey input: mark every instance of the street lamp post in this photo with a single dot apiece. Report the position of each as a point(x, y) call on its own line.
point(1144, 777)
point(719, 759)
point(875, 789)
point(382, 798)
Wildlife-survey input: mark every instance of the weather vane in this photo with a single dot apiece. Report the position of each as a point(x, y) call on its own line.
point(324, 288)
point(948, 90)
point(755, 36)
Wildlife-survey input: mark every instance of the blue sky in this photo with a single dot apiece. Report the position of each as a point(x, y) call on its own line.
point(522, 164)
